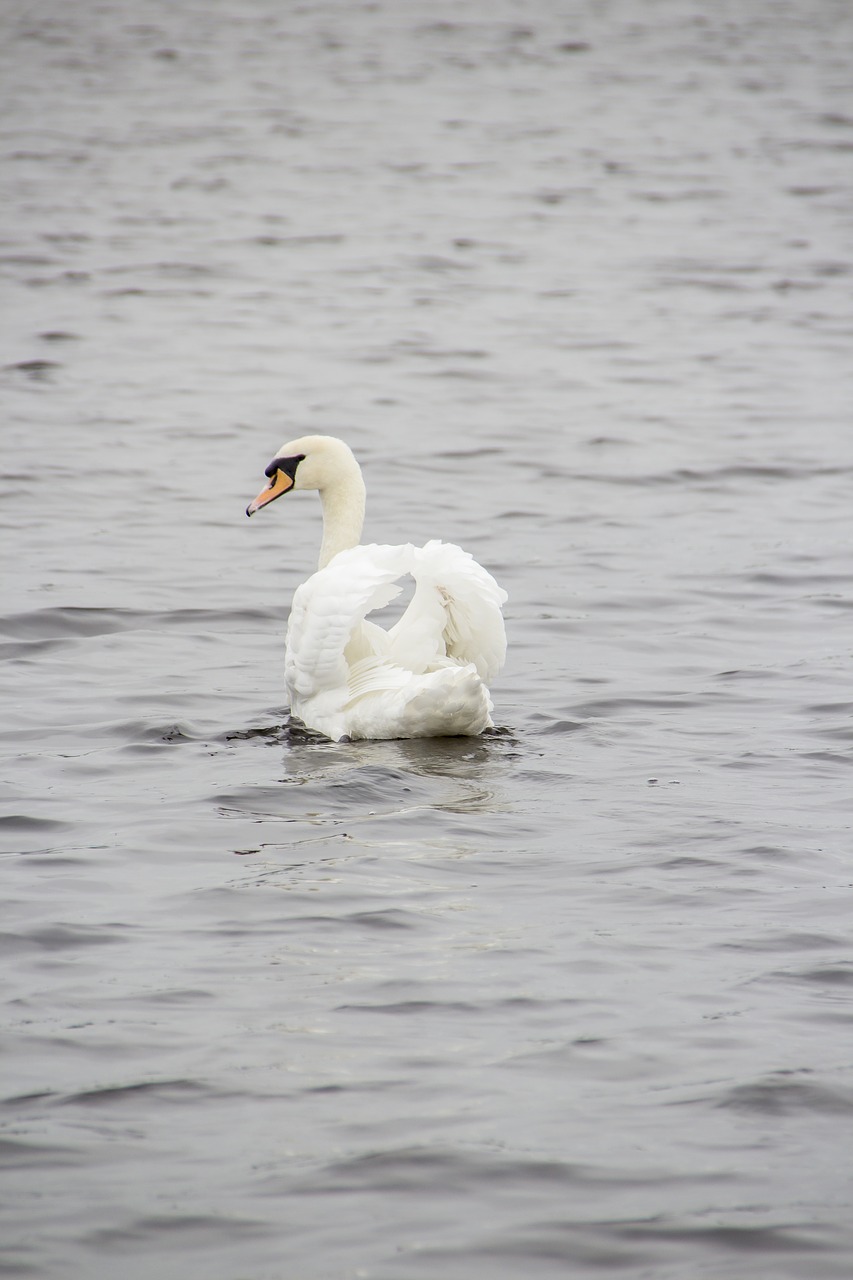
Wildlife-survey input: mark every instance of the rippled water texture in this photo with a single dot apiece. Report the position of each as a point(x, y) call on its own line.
point(571, 1000)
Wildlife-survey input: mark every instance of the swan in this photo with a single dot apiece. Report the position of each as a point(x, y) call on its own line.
point(348, 677)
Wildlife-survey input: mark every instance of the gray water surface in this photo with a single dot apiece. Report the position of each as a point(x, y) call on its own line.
point(571, 1000)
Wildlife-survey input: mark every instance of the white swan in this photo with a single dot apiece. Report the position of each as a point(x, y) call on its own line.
point(347, 677)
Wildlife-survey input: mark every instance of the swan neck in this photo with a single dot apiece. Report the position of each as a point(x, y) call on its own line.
point(343, 516)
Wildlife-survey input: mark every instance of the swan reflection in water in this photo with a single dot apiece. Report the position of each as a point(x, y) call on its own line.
point(378, 793)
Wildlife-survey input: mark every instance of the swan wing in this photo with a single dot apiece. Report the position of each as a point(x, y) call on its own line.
point(454, 613)
point(326, 632)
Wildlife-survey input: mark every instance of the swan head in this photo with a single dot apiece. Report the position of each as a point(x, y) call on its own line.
point(311, 462)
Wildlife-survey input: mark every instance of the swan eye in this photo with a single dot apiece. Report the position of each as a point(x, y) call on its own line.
point(287, 465)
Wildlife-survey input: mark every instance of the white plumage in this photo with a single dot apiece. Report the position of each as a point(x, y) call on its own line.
point(347, 677)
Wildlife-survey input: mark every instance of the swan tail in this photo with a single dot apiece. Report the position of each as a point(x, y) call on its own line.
point(387, 701)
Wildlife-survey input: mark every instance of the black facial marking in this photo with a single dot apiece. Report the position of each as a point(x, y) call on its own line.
point(287, 465)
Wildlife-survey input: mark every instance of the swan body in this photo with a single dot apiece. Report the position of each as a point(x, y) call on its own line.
point(347, 677)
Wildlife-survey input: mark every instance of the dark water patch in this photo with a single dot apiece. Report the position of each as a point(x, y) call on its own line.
point(203, 1231)
point(686, 862)
point(829, 1017)
point(829, 270)
point(179, 996)
point(168, 1092)
point(49, 858)
point(832, 757)
point(766, 578)
point(362, 1086)
point(407, 1008)
point(389, 919)
point(548, 726)
point(422, 1169)
point(438, 263)
point(749, 760)
point(58, 335)
point(407, 1170)
point(769, 853)
point(741, 674)
point(613, 708)
point(713, 284)
point(778, 1097)
point(462, 375)
point(719, 479)
point(28, 1099)
point(517, 513)
point(545, 1244)
point(628, 603)
point(61, 937)
point(831, 602)
point(28, 651)
point(616, 1245)
point(65, 621)
point(172, 270)
point(681, 195)
point(28, 1155)
point(201, 184)
point(838, 975)
point(158, 293)
point(791, 1238)
point(786, 942)
point(430, 352)
point(132, 736)
point(25, 823)
point(37, 370)
point(360, 921)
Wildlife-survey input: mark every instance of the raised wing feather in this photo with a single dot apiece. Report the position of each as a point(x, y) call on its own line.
point(329, 605)
point(456, 607)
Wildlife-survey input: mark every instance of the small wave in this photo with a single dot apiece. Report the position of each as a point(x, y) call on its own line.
point(412, 1168)
point(60, 937)
point(715, 479)
point(64, 621)
point(611, 707)
point(163, 1091)
point(786, 942)
point(37, 370)
point(289, 732)
point(839, 975)
point(181, 1230)
point(28, 1155)
point(791, 1237)
point(786, 1097)
point(24, 822)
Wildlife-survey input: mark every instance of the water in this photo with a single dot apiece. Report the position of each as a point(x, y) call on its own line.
point(569, 1000)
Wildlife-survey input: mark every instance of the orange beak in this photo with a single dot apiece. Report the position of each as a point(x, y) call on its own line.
point(279, 484)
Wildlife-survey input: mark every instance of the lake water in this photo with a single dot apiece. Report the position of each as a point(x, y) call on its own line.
point(571, 1000)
